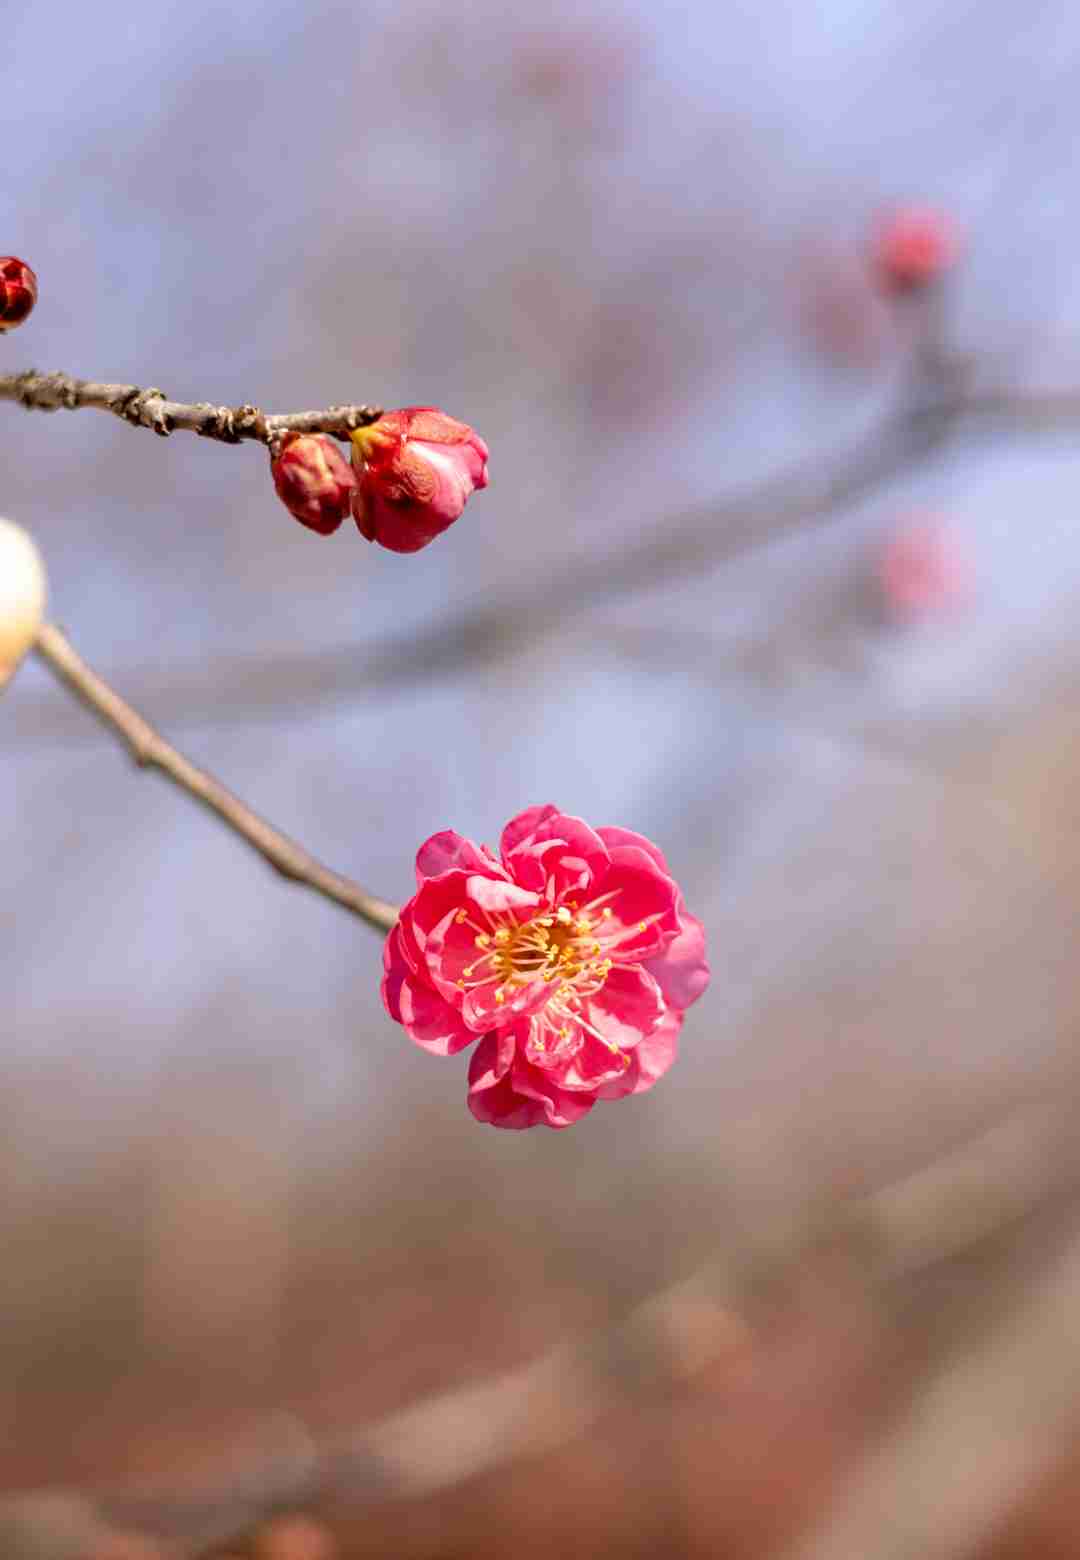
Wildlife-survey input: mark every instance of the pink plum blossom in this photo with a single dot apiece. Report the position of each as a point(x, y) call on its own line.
point(415, 471)
point(570, 959)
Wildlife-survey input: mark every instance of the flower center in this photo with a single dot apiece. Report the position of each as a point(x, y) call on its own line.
point(568, 948)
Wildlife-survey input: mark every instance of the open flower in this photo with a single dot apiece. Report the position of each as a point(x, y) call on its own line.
point(571, 960)
point(415, 471)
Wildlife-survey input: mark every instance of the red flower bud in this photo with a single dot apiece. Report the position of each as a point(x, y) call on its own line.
point(914, 247)
point(313, 480)
point(18, 291)
point(415, 470)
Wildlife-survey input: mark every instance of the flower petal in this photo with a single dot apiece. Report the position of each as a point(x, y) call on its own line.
point(643, 903)
point(497, 895)
point(561, 855)
point(449, 849)
point(595, 1066)
point(523, 826)
point(627, 1008)
point(657, 1051)
point(561, 1107)
point(649, 1061)
point(682, 970)
point(492, 1060)
point(614, 836)
point(502, 1106)
point(492, 1097)
point(427, 1018)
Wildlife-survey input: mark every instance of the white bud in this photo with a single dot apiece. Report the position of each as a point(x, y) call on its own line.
point(22, 596)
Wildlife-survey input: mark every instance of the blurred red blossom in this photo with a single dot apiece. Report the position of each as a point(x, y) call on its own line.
point(914, 246)
point(923, 572)
point(313, 480)
point(416, 469)
point(18, 291)
point(571, 960)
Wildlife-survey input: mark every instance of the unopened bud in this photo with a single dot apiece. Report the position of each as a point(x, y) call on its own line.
point(22, 596)
point(313, 480)
point(18, 291)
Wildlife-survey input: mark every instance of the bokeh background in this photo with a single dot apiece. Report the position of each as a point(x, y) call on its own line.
point(630, 246)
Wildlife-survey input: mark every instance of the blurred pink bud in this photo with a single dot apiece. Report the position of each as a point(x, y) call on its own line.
point(923, 572)
point(570, 957)
point(313, 480)
point(415, 471)
point(18, 291)
point(915, 246)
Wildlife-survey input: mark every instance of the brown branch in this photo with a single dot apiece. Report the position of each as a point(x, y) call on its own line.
point(152, 409)
point(150, 750)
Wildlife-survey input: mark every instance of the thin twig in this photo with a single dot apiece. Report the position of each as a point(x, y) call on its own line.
point(152, 409)
point(150, 750)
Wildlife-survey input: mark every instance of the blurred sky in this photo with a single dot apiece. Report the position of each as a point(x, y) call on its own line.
point(597, 234)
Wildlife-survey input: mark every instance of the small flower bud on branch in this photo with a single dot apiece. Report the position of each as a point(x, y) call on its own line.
point(313, 480)
point(18, 291)
point(22, 596)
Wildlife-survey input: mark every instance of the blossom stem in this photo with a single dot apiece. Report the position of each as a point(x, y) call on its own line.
point(153, 409)
point(150, 750)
